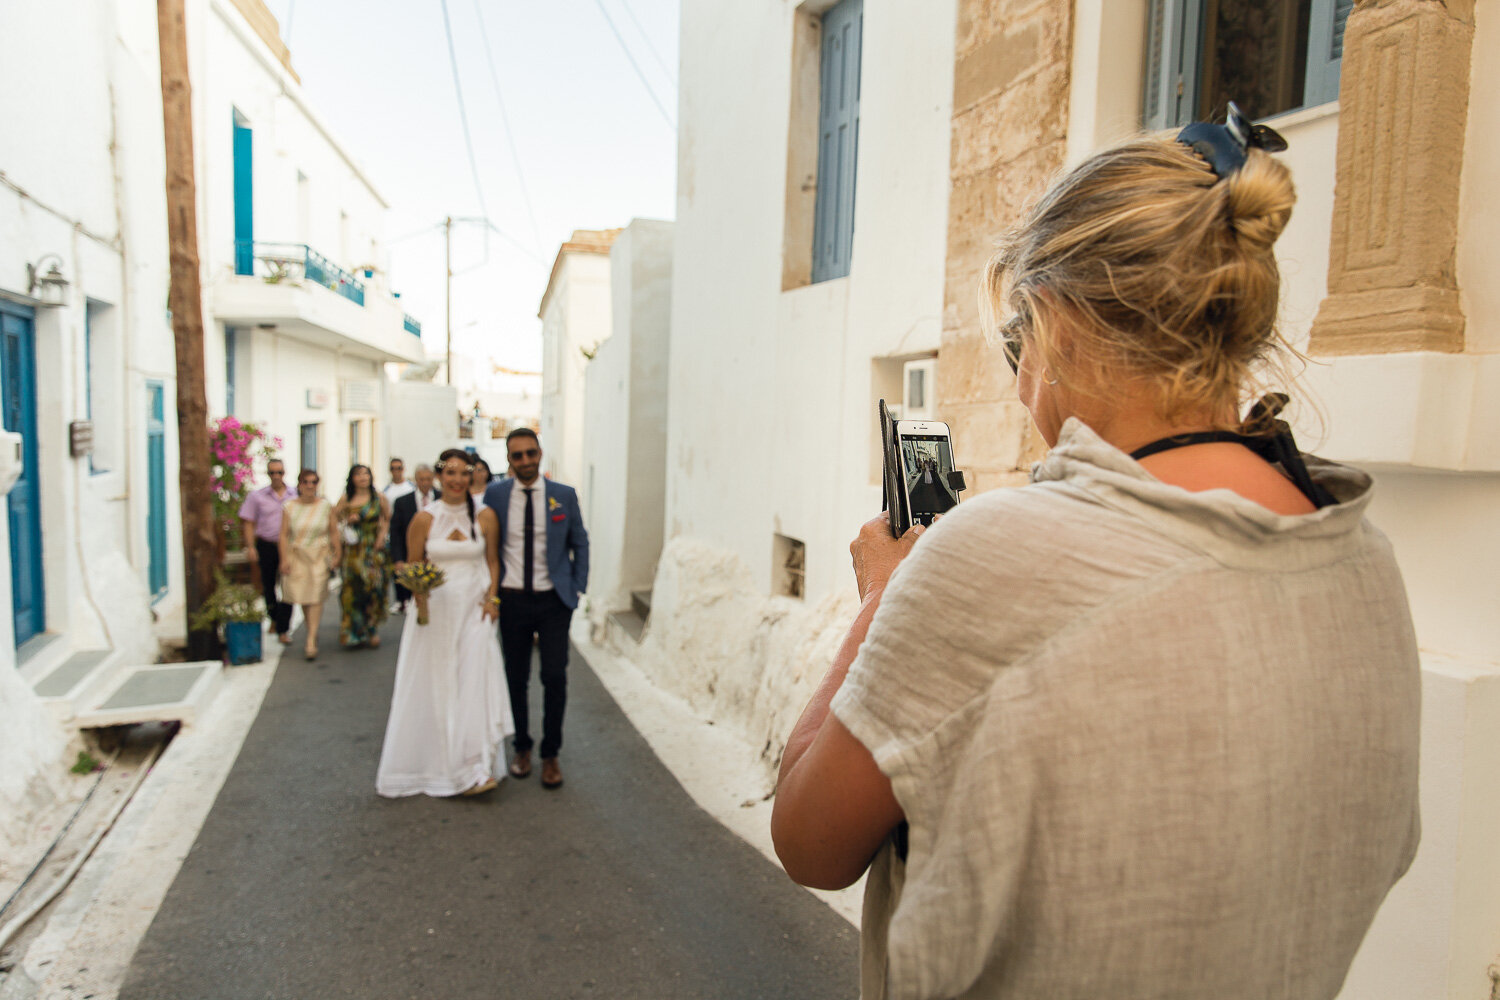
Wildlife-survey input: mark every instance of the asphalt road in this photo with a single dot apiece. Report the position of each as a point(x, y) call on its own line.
point(303, 884)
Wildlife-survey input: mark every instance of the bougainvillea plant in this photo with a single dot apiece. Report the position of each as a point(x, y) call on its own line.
point(236, 447)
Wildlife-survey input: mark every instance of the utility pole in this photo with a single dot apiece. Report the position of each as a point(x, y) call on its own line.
point(185, 300)
point(448, 292)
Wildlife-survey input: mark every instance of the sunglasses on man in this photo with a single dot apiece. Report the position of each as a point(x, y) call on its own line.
point(516, 456)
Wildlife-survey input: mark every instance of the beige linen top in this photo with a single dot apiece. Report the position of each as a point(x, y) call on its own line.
point(1150, 743)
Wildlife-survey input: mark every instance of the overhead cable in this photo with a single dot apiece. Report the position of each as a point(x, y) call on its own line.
point(651, 48)
point(463, 115)
point(634, 65)
point(510, 136)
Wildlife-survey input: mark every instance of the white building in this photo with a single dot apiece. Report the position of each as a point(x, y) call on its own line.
point(301, 317)
point(81, 192)
point(796, 305)
point(298, 343)
point(575, 314)
point(625, 422)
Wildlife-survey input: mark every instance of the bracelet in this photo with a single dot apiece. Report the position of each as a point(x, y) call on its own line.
point(495, 600)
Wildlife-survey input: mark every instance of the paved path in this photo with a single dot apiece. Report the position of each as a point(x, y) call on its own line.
point(304, 884)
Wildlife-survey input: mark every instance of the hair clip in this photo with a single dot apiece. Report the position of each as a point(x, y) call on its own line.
point(1227, 146)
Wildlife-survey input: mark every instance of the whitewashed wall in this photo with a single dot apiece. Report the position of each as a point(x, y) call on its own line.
point(625, 435)
point(772, 414)
point(575, 315)
point(80, 113)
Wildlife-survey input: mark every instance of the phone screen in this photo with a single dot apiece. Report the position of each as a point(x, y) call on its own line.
point(926, 460)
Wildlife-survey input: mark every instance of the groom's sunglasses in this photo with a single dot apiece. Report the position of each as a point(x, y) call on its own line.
point(516, 456)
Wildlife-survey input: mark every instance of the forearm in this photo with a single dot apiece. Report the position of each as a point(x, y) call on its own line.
point(247, 528)
point(816, 712)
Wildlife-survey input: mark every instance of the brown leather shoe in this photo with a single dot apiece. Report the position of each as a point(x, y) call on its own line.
point(521, 766)
point(551, 773)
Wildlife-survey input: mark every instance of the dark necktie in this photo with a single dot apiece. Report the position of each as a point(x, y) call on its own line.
point(528, 559)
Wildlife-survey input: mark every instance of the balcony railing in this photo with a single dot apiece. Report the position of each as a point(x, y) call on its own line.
point(412, 326)
point(290, 261)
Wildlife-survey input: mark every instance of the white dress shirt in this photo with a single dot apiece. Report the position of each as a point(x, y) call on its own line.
point(512, 549)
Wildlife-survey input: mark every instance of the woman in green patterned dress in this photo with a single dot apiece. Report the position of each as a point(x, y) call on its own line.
point(365, 517)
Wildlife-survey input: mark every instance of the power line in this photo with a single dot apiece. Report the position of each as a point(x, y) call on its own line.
point(649, 47)
point(463, 115)
point(633, 64)
point(510, 135)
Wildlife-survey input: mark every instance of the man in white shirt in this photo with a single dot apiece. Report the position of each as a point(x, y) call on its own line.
point(544, 568)
point(399, 485)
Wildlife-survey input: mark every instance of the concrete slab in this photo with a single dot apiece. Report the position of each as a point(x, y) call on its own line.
point(162, 692)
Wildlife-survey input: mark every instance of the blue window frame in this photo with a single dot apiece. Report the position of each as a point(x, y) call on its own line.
point(244, 197)
point(308, 446)
point(1268, 56)
point(838, 139)
point(156, 487)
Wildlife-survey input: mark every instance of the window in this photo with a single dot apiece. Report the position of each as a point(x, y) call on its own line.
point(354, 455)
point(244, 197)
point(838, 139)
point(822, 142)
point(308, 442)
point(231, 339)
point(101, 377)
point(788, 566)
point(1268, 56)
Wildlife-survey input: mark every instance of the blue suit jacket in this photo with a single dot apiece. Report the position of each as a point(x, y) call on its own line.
point(567, 542)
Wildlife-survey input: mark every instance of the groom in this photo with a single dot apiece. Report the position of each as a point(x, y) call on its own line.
point(544, 567)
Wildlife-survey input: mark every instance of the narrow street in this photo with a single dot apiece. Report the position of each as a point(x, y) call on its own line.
point(304, 884)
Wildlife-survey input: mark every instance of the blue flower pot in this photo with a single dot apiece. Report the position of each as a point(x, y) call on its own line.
point(243, 640)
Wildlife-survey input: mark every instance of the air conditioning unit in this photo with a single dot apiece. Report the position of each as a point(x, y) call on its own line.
point(918, 388)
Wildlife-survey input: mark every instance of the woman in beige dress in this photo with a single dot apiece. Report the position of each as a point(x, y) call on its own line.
point(310, 549)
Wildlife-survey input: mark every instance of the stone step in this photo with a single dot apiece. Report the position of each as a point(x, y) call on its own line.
point(63, 683)
point(160, 692)
point(640, 603)
point(631, 623)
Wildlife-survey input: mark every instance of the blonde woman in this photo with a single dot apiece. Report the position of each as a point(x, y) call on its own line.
point(1148, 726)
point(310, 550)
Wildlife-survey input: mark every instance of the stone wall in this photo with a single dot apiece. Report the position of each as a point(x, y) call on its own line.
point(1010, 120)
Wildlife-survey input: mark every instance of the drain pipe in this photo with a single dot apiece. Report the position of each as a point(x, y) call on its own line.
point(22, 919)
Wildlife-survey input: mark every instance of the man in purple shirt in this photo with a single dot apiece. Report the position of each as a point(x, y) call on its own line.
point(260, 518)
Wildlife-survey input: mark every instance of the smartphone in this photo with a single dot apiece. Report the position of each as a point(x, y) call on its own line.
point(925, 448)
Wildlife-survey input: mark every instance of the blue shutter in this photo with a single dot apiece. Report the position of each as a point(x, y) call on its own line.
point(1325, 50)
point(156, 488)
point(838, 140)
point(244, 191)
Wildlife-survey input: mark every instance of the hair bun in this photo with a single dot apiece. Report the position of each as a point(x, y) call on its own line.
point(1260, 200)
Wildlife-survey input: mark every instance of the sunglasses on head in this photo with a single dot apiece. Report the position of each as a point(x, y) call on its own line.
point(516, 456)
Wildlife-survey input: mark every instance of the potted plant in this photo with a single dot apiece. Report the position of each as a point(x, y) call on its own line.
point(237, 607)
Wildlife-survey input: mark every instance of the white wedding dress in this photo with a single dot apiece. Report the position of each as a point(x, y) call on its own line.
point(450, 709)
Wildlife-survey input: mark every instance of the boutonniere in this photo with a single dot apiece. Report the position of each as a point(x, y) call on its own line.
point(552, 503)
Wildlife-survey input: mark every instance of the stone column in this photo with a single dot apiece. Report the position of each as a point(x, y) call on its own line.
point(1403, 106)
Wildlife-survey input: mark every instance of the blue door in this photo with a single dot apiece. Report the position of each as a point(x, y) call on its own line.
point(18, 370)
point(156, 487)
point(244, 199)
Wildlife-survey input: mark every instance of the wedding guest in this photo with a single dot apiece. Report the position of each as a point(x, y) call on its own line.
point(403, 509)
point(365, 517)
point(260, 520)
point(310, 549)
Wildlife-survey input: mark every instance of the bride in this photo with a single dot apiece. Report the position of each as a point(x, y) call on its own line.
point(450, 711)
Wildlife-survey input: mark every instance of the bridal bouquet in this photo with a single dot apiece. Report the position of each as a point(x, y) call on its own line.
point(421, 578)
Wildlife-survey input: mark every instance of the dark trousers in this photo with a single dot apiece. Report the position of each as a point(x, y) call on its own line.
point(542, 615)
point(270, 568)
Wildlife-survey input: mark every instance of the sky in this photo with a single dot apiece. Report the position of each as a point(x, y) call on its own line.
point(594, 144)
